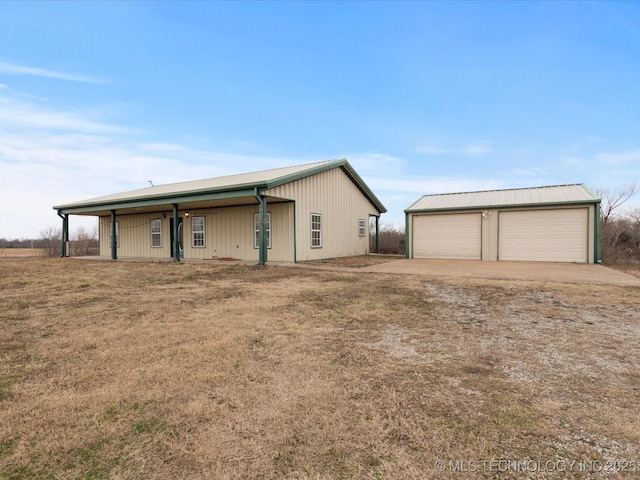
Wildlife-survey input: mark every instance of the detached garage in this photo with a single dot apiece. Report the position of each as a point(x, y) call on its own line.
point(559, 223)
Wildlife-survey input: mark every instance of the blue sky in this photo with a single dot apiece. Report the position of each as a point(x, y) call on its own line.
point(420, 97)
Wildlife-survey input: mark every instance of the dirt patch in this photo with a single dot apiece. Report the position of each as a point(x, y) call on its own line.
point(358, 261)
point(162, 370)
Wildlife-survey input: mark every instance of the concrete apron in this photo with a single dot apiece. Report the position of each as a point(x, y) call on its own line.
point(535, 271)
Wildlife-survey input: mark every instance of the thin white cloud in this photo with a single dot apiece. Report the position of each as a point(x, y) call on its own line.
point(433, 150)
point(605, 165)
point(476, 150)
point(162, 147)
point(529, 172)
point(432, 184)
point(53, 156)
point(374, 163)
point(16, 114)
point(472, 150)
point(15, 69)
point(608, 158)
point(573, 161)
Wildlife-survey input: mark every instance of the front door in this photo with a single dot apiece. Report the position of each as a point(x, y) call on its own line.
point(180, 250)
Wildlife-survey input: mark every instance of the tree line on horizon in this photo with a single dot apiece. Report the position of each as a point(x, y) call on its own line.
point(620, 230)
point(83, 242)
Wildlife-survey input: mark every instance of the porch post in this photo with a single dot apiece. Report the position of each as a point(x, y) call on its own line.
point(114, 239)
point(65, 234)
point(407, 237)
point(176, 240)
point(262, 243)
point(597, 237)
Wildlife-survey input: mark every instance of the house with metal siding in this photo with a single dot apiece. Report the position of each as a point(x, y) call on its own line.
point(306, 212)
point(558, 223)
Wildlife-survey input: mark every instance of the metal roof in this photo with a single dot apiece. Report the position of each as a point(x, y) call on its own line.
point(533, 196)
point(216, 188)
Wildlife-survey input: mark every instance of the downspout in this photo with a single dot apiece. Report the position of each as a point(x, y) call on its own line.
point(65, 233)
point(378, 234)
point(114, 239)
point(295, 241)
point(597, 235)
point(262, 238)
point(176, 241)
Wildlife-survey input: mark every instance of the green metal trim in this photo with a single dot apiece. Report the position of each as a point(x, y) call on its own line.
point(498, 237)
point(176, 230)
point(591, 192)
point(482, 219)
point(262, 237)
point(215, 193)
point(157, 201)
point(64, 235)
point(346, 168)
point(355, 178)
point(292, 177)
point(597, 235)
point(472, 208)
point(227, 192)
point(407, 239)
point(114, 240)
point(378, 234)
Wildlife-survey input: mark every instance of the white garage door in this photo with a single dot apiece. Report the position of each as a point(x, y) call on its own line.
point(544, 235)
point(447, 236)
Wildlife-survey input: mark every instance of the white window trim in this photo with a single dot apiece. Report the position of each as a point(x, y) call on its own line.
point(362, 227)
point(203, 231)
point(256, 229)
point(319, 230)
point(158, 234)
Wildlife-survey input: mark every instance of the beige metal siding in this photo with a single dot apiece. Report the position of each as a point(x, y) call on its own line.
point(134, 232)
point(228, 234)
point(559, 235)
point(455, 236)
point(333, 195)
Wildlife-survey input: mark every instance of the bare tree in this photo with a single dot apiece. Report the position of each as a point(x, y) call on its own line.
point(618, 228)
point(634, 219)
point(85, 242)
point(612, 200)
point(51, 240)
point(391, 240)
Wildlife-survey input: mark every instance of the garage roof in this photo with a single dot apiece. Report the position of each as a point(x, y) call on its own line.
point(576, 193)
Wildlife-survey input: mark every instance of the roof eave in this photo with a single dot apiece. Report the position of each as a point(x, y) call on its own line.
point(506, 205)
point(221, 192)
point(366, 191)
point(158, 200)
point(346, 168)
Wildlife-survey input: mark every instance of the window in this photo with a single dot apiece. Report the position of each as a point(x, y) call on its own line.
point(362, 227)
point(197, 232)
point(117, 234)
point(256, 230)
point(156, 233)
point(316, 230)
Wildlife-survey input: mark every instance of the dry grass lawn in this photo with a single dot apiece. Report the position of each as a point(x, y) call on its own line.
point(157, 370)
point(22, 252)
